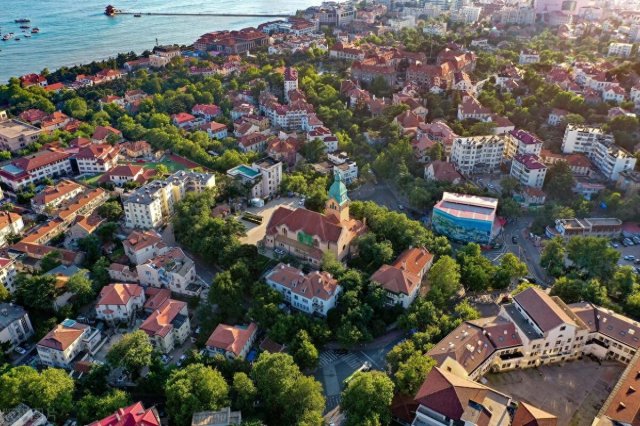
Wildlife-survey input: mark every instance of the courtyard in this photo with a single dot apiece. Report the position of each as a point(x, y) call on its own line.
point(255, 233)
point(573, 391)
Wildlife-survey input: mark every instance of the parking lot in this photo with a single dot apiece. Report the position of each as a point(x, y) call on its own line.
point(626, 253)
point(255, 233)
point(573, 391)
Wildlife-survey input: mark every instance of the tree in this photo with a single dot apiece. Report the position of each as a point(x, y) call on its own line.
point(37, 291)
point(92, 407)
point(133, 352)
point(367, 399)
point(313, 150)
point(81, 286)
point(559, 181)
point(444, 278)
point(522, 287)
point(4, 294)
point(476, 271)
point(192, 389)
point(552, 257)
point(162, 170)
point(304, 352)
point(570, 290)
point(623, 282)
point(594, 256)
point(412, 372)
point(50, 260)
point(76, 107)
point(227, 295)
point(111, 210)
point(373, 254)
point(632, 304)
point(51, 391)
point(244, 392)
point(287, 396)
point(332, 265)
point(509, 269)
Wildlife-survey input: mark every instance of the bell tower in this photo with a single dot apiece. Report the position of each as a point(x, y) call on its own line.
point(338, 203)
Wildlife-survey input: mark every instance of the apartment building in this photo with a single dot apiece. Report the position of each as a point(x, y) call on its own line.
point(15, 326)
point(119, 302)
point(35, 167)
point(151, 205)
point(168, 325)
point(313, 293)
point(344, 166)
point(607, 227)
point(11, 224)
point(16, 135)
point(264, 176)
point(528, 57)
point(8, 273)
point(522, 142)
point(173, 270)
point(97, 158)
point(608, 158)
point(232, 341)
point(63, 344)
point(403, 279)
point(528, 170)
point(51, 197)
point(466, 14)
point(620, 49)
point(140, 246)
point(477, 154)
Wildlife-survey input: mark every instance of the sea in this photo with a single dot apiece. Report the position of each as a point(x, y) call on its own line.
point(74, 32)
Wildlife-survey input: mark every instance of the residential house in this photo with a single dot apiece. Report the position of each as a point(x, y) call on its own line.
point(556, 116)
point(620, 49)
point(122, 273)
point(208, 112)
point(168, 325)
point(96, 158)
point(63, 344)
point(137, 149)
point(119, 302)
point(222, 417)
point(313, 293)
point(264, 176)
point(51, 197)
point(345, 167)
point(106, 134)
point(11, 224)
point(232, 341)
point(35, 167)
point(173, 270)
point(15, 326)
point(215, 130)
point(442, 171)
point(124, 173)
point(8, 273)
point(253, 142)
point(185, 120)
point(528, 57)
point(471, 108)
point(22, 415)
point(133, 415)
point(403, 279)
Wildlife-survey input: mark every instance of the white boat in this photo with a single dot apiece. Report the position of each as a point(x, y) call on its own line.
point(7, 36)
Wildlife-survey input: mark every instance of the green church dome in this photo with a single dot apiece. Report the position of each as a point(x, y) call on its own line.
point(338, 190)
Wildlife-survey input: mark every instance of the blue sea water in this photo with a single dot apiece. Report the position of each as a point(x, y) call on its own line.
point(74, 32)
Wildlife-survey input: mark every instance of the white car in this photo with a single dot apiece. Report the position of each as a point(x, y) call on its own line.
point(279, 252)
point(20, 350)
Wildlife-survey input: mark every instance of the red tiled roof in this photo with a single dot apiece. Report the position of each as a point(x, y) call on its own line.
point(315, 284)
point(444, 171)
point(61, 337)
point(138, 240)
point(118, 294)
point(102, 132)
point(133, 415)
point(308, 221)
point(528, 415)
point(544, 311)
point(159, 322)
point(231, 338)
point(40, 159)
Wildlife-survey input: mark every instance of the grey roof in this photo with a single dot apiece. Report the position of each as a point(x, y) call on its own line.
point(10, 313)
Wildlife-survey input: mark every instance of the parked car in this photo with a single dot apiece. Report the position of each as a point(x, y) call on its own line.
point(636, 240)
point(629, 257)
point(279, 251)
point(20, 350)
point(514, 239)
point(614, 244)
point(627, 242)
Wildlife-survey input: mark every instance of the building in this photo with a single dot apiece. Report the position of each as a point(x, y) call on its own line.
point(223, 417)
point(528, 57)
point(208, 112)
point(232, 341)
point(442, 171)
point(8, 273)
point(403, 279)
point(215, 130)
point(590, 226)
point(477, 154)
point(308, 235)
point(522, 142)
point(11, 224)
point(629, 182)
point(119, 302)
point(96, 158)
point(599, 147)
point(140, 246)
point(345, 167)
point(65, 342)
point(16, 135)
point(232, 42)
point(620, 49)
point(51, 197)
point(290, 81)
point(313, 293)
point(173, 270)
point(528, 170)
point(15, 326)
point(124, 173)
point(466, 218)
point(168, 326)
point(467, 15)
point(264, 177)
point(519, 15)
point(106, 134)
point(35, 167)
point(23, 415)
point(151, 205)
point(133, 415)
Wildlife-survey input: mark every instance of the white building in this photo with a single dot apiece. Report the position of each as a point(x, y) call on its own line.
point(519, 15)
point(609, 159)
point(232, 341)
point(34, 168)
point(313, 293)
point(61, 345)
point(16, 135)
point(11, 224)
point(51, 197)
point(168, 325)
point(528, 170)
point(435, 28)
point(15, 326)
point(97, 158)
point(466, 14)
point(477, 154)
point(342, 165)
point(173, 270)
point(264, 176)
point(141, 246)
point(620, 49)
point(527, 58)
point(8, 273)
point(119, 302)
point(152, 205)
point(522, 142)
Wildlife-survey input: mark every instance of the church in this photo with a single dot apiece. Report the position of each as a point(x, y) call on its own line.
point(307, 235)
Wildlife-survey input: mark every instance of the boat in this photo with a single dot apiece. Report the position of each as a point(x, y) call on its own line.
point(7, 36)
point(137, 15)
point(26, 35)
point(25, 27)
point(110, 11)
point(17, 38)
point(35, 30)
point(22, 20)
